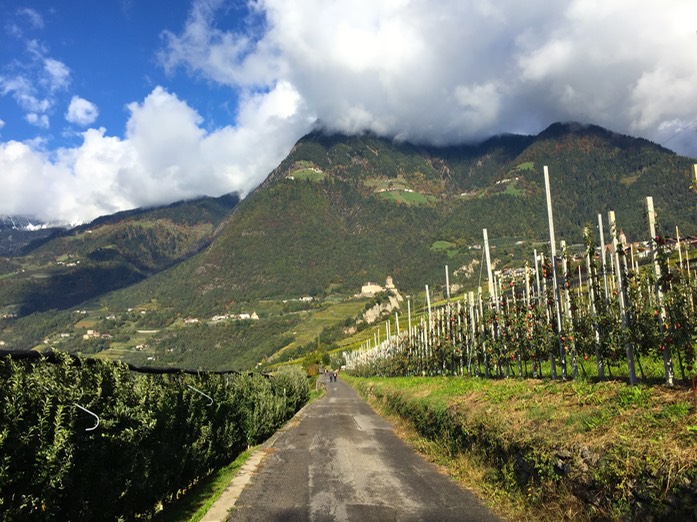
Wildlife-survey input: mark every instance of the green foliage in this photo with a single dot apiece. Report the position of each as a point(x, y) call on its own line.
point(308, 234)
point(237, 344)
point(157, 435)
point(518, 335)
point(28, 331)
point(408, 198)
point(308, 174)
point(633, 397)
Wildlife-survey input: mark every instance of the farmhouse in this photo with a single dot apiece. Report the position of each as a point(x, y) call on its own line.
point(91, 334)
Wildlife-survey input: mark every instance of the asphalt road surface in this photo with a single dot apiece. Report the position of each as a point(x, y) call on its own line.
point(342, 462)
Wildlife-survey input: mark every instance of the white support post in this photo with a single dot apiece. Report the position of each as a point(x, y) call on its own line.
point(568, 341)
point(602, 255)
point(447, 284)
point(527, 284)
point(489, 271)
point(591, 296)
point(409, 317)
point(677, 239)
point(667, 358)
point(483, 325)
point(621, 297)
point(473, 332)
point(537, 278)
point(555, 284)
point(430, 317)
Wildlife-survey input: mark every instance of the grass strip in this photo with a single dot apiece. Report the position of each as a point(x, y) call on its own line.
point(556, 450)
point(195, 504)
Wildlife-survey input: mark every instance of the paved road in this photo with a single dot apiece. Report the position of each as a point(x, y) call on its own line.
point(341, 462)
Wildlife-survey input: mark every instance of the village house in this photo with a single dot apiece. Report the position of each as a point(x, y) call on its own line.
point(91, 334)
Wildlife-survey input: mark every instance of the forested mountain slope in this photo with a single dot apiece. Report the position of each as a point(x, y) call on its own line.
point(71, 266)
point(340, 210)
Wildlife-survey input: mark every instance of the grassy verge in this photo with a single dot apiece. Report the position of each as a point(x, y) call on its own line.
point(542, 450)
point(196, 503)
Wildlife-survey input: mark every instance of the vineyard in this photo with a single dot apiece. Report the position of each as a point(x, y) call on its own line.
point(86, 439)
point(626, 310)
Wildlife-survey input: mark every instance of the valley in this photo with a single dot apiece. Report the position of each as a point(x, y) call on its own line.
point(338, 212)
point(280, 278)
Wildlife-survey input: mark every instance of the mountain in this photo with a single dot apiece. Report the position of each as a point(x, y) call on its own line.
point(69, 266)
point(21, 223)
point(16, 232)
point(340, 211)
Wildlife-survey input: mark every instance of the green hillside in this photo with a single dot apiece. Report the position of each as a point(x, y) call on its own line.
point(313, 235)
point(337, 212)
point(76, 265)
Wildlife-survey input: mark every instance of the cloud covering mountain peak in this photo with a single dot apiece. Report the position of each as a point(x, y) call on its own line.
point(440, 73)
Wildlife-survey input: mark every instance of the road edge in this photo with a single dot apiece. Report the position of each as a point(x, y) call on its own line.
point(220, 510)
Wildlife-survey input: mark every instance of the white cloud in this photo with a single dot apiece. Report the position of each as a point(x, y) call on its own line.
point(229, 58)
point(35, 83)
point(24, 93)
point(453, 70)
point(166, 155)
point(57, 74)
point(35, 19)
point(39, 120)
point(432, 72)
point(81, 112)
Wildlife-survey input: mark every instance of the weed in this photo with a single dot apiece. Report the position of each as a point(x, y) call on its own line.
point(676, 411)
point(633, 397)
point(589, 421)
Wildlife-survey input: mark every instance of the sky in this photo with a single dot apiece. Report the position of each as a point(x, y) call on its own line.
point(118, 104)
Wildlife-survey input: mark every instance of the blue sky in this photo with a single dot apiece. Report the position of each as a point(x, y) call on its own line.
point(114, 104)
point(103, 52)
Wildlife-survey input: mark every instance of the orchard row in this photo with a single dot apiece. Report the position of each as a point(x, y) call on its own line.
point(606, 315)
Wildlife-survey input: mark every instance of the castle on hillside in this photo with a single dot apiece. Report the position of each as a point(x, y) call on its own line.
point(372, 289)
